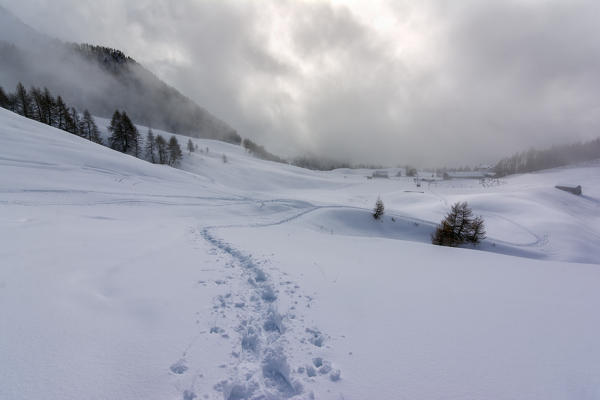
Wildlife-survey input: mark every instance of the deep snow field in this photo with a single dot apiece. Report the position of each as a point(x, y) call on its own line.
point(249, 279)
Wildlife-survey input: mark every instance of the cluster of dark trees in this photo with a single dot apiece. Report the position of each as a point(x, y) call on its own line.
point(260, 152)
point(40, 105)
point(459, 227)
point(325, 164)
point(319, 164)
point(150, 101)
point(556, 156)
point(103, 79)
point(159, 151)
point(126, 139)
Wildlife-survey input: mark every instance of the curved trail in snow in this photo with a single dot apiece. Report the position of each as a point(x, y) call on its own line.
point(264, 334)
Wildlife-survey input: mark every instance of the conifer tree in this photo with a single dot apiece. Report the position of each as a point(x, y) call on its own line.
point(89, 129)
point(49, 107)
point(37, 104)
point(117, 140)
point(459, 227)
point(12, 102)
point(190, 146)
point(23, 101)
point(3, 98)
point(150, 146)
point(476, 232)
point(74, 122)
point(379, 209)
point(132, 136)
point(174, 150)
point(61, 114)
point(161, 149)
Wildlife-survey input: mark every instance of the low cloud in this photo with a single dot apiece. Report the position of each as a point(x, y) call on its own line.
point(429, 82)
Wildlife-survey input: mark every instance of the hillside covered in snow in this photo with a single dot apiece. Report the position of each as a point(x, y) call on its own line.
point(249, 279)
point(100, 79)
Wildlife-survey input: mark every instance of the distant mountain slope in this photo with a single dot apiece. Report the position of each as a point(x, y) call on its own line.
point(100, 79)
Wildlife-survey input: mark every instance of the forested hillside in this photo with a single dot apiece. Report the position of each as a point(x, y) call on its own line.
point(101, 79)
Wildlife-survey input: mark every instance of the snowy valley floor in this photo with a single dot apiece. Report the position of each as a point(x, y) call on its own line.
point(120, 279)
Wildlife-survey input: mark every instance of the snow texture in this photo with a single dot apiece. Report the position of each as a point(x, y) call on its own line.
point(256, 280)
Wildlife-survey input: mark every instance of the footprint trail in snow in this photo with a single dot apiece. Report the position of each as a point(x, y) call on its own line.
point(273, 354)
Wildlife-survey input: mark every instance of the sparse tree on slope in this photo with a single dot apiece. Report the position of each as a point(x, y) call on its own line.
point(125, 136)
point(161, 149)
point(89, 129)
point(61, 114)
point(23, 101)
point(174, 150)
point(379, 209)
point(131, 134)
point(150, 146)
point(117, 140)
point(477, 231)
point(459, 227)
point(49, 107)
point(74, 122)
point(4, 103)
point(190, 146)
point(37, 104)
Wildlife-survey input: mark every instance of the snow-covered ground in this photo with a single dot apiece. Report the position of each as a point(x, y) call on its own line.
point(120, 279)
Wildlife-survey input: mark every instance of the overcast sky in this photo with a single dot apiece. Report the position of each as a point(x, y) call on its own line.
point(424, 82)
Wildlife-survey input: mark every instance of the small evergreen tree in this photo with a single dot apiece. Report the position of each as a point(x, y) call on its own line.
point(150, 146)
point(224, 158)
point(174, 151)
point(161, 149)
point(459, 227)
point(190, 146)
point(379, 209)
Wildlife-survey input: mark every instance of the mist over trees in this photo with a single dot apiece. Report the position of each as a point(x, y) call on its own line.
point(101, 80)
point(89, 129)
point(260, 152)
point(174, 151)
point(42, 106)
point(556, 156)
